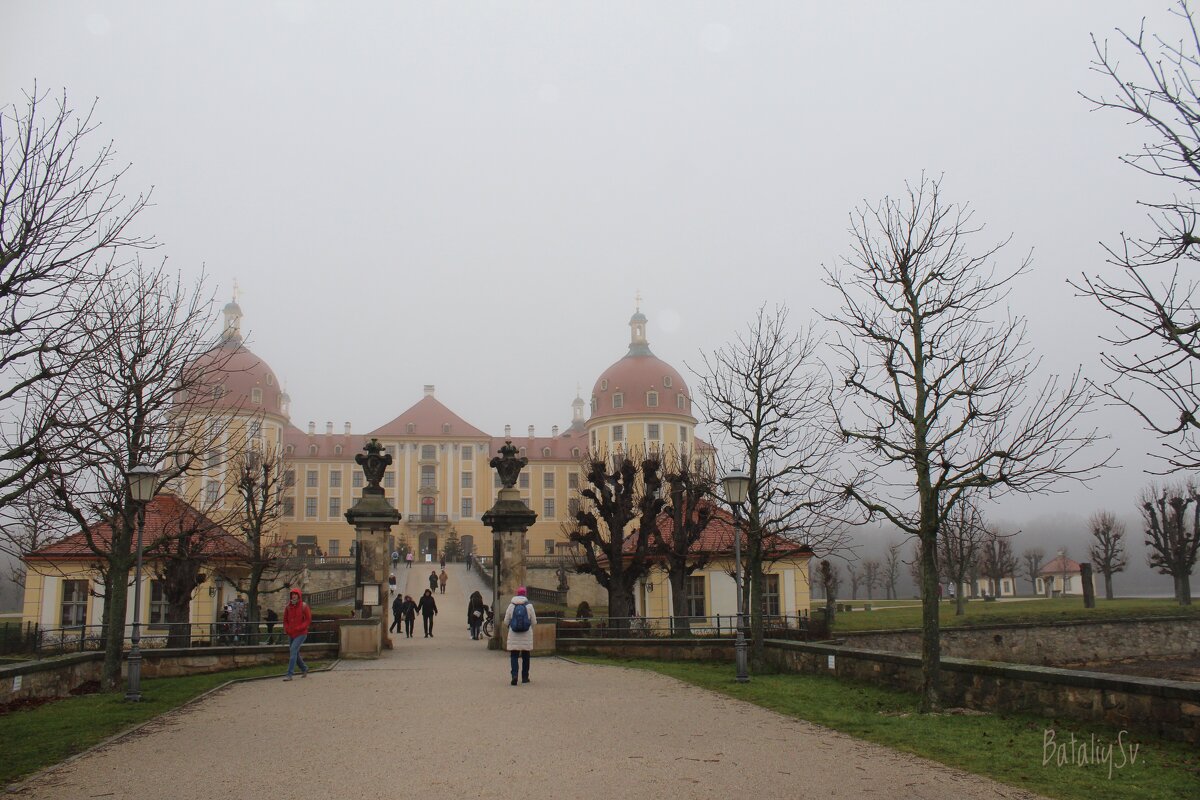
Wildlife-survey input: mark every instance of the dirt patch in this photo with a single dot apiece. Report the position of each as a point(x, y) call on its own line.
point(27, 703)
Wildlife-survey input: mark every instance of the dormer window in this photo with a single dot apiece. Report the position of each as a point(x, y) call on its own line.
point(411, 427)
point(445, 427)
point(256, 396)
point(270, 380)
point(218, 392)
point(681, 401)
point(652, 399)
point(545, 452)
point(618, 400)
point(522, 453)
point(289, 449)
point(595, 404)
point(604, 385)
point(312, 449)
point(337, 450)
point(667, 381)
point(574, 452)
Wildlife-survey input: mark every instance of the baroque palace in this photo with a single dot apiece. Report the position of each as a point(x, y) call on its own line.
point(440, 481)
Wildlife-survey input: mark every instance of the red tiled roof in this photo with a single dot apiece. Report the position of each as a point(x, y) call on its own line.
point(326, 444)
point(428, 417)
point(1059, 566)
point(238, 372)
point(166, 516)
point(561, 447)
point(717, 538)
point(634, 377)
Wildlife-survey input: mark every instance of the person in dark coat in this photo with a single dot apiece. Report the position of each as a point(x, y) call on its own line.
point(433, 580)
point(475, 612)
point(397, 613)
point(428, 608)
point(408, 610)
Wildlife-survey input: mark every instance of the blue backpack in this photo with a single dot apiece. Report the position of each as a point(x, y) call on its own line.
point(520, 618)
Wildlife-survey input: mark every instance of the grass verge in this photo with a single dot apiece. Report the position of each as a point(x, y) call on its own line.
point(1009, 748)
point(39, 737)
point(1008, 612)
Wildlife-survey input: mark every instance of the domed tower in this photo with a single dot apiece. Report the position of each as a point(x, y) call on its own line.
point(641, 402)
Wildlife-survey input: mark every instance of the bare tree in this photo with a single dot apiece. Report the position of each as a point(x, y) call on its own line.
point(1108, 550)
point(64, 228)
point(915, 569)
point(1156, 342)
point(1031, 561)
point(1172, 515)
point(962, 536)
point(764, 395)
point(690, 486)
point(996, 560)
point(145, 396)
point(615, 525)
point(259, 476)
point(891, 570)
point(32, 523)
point(872, 572)
point(936, 392)
point(856, 578)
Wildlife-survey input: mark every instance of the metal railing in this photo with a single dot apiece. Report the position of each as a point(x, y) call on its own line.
point(327, 596)
point(714, 626)
point(59, 641)
point(552, 596)
point(429, 518)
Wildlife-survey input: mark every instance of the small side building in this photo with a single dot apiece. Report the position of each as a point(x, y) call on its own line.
point(1061, 576)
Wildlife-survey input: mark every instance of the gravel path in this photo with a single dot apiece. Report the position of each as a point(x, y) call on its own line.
point(437, 718)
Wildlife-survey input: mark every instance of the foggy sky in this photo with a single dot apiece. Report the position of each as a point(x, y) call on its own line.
point(470, 195)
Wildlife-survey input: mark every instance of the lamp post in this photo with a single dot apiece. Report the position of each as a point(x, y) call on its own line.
point(737, 485)
point(143, 483)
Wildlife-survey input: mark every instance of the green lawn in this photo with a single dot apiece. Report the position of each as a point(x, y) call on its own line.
point(1008, 748)
point(979, 612)
point(39, 737)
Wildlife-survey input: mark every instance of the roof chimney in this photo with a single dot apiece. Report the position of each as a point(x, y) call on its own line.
point(429, 390)
point(508, 431)
point(530, 431)
point(312, 427)
point(554, 431)
point(329, 429)
point(347, 428)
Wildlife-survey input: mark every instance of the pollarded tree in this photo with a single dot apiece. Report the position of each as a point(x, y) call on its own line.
point(830, 582)
point(690, 488)
point(621, 501)
point(1031, 563)
point(872, 573)
point(764, 396)
point(961, 537)
point(1172, 515)
point(937, 397)
point(996, 560)
point(65, 229)
point(1108, 550)
point(1151, 292)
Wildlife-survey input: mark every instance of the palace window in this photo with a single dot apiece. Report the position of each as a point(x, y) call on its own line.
point(428, 506)
point(335, 547)
point(289, 478)
point(468, 452)
point(410, 427)
point(335, 507)
point(549, 547)
point(652, 399)
point(356, 480)
point(548, 508)
point(310, 507)
point(618, 433)
point(312, 449)
point(389, 479)
point(545, 452)
point(335, 479)
point(573, 507)
point(548, 480)
point(310, 479)
point(468, 508)
point(158, 604)
point(446, 427)
point(74, 603)
point(595, 404)
point(618, 400)
point(524, 480)
point(254, 430)
point(467, 480)
point(256, 396)
point(653, 432)
point(604, 385)
point(337, 450)
point(771, 595)
point(496, 482)
point(694, 593)
point(667, 381)
point(572, 480)
point(212, 492)
point(214, 458)
point(289, 506)
point(683, 435)
point(428, 452)
point(574, 452)
point(428, 477)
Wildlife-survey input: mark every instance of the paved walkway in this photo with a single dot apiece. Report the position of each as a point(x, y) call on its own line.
point(438, 718)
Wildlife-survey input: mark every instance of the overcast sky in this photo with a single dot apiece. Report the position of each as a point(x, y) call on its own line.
point(470, 194)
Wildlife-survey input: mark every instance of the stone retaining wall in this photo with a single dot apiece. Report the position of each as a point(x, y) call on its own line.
point(58, 677)
point(1056, 643)
point(1169, 709)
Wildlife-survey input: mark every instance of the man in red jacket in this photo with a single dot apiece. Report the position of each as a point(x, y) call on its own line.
point(296, 619)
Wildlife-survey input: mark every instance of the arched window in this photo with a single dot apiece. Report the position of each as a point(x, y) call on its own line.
point(312, 449)
point(428, 506)
point(256, 396)
point(575, 452)
point(337, 450)
point(618, 400)
point(289, 449)
point(652, 399)
point(604, 385)
point(667, 381)
point(595, 404)
point(545, 452)
point(681, 401)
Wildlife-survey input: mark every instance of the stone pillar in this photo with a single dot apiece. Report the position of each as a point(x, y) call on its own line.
point(509, 520)
point(373, 517)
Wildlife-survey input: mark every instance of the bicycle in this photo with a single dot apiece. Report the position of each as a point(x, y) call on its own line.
point(489, 624)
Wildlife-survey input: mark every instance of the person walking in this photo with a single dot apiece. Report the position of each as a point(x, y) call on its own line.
point(409, 611)
point(475, 611)
point(392, 583)
point(428, 608)
point(408, 559)
point(442, 580)
point(442, 561)
point(296, 619)
point(397, 613)
point(520, 618)
point(433, 580)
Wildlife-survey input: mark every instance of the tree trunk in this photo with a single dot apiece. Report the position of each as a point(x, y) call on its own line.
point(930, 643)
point(960, 603)
point(114, 640)
point(179, 615)
point(678, 580)
point(1184, 584)
point(1108, 593)
point(620, 608)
